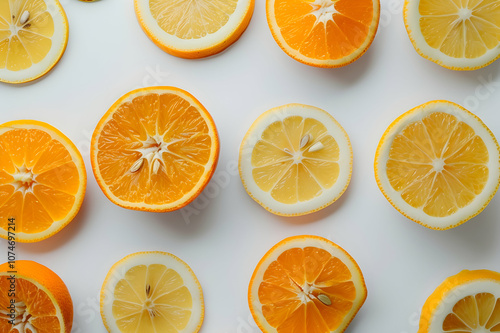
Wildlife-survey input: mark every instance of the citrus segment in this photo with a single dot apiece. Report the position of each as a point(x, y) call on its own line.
point(42, 180)
point(33, 37)
point(194, 29)
point(438, 164)
point(324, 33)
point(306, 284)
point(41, 303)
point(151, 292)
point(456, 35)
point(295, 159)
point(467, 302)
point(155, 149)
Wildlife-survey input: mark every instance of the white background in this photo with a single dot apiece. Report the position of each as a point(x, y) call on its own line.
point(109, 55)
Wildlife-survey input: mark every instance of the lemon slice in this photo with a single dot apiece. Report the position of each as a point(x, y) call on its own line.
point(459, 35)
point(33, 37)
point(295, 159)
point(468, 302)
point(194, 29)
point(151, 292)
point(438, 164)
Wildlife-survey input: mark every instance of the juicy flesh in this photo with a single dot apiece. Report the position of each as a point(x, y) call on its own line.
point(165, 138)
point(152, 298)
point(461, 28)
point(34, 311)
point(292, 173)
point(23, 44)
point(438, 164)
point(297, 288)
point(192, 19)
point(38, 180)
point(478, 313)
point(324, 29)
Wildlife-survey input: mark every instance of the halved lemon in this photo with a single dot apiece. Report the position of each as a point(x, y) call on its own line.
point(33, 300)
point(42, 180)
point(324, 33)
point(151, 292)
point(438, 164)
point(155, 149)
point(194, 29)
point(306, 284)
point(33, 37)
point(459, 35)
point(468, 302)
point(295, 159)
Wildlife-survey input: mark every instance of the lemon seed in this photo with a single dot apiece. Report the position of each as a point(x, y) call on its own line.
point(315, 147)
point(24, 17)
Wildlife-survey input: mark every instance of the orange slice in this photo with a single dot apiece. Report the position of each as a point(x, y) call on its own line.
point(306, 284)
point(468, 302)
point(42, 180)
point(324, 33)
point(155, 149)
point(152, 292)
point(438, 164)
point(41, 303)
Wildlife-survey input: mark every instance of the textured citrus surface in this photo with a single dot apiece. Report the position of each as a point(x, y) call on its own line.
point(151, 292)
point(439, 163)
point(194, 29)
point(468, 302)
point(42, 179)
point(155, 149)
point(455, 34)
point(306, 284)
point(291, 155)
point(324, 33)
point(33, 37)
point(42, 301)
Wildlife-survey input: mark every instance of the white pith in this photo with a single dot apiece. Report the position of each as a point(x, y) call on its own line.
point(25, 181)
point(279, 114)
point(153, 148)
point(323, 10)
point(417, 214)
point(412, 19)
point(176, 43)
point(454, 295)
point(274, 253)
point(58, 39)
point(118, 271)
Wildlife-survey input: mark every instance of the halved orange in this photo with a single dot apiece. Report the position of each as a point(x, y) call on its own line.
point(33, 300)
point(306, 284)
point(42, 180)
point(324, 33)
point(155, 149)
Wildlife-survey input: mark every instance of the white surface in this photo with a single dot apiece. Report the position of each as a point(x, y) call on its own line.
point(109, 55)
